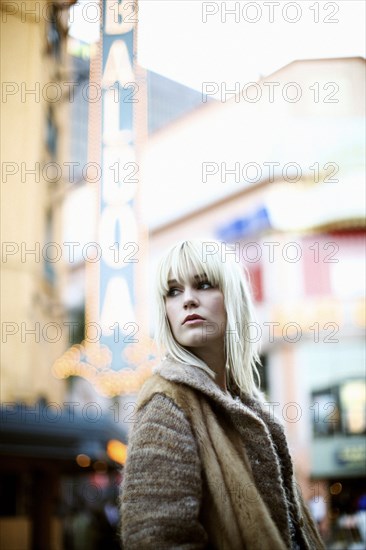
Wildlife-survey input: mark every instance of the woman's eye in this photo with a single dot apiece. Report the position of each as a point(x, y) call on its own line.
point(172, 292)
point(205, 284)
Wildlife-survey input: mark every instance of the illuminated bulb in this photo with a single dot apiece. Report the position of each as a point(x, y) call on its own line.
point(83, 460)
point(335, 489)
point(117, 451)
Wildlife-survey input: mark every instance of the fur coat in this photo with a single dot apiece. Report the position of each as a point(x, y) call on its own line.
point(208, 470)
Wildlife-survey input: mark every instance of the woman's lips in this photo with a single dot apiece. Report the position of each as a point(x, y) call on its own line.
point(197, 320)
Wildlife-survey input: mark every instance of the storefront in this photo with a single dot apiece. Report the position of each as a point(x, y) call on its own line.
point(60, 472)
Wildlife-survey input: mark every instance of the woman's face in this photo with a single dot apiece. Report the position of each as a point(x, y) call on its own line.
point(196, 313)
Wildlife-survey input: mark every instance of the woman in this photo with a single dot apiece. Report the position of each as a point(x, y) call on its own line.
point(207, 466)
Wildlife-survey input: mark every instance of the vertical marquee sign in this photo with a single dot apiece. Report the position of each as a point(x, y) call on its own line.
point(111, 278)
point(118, 232)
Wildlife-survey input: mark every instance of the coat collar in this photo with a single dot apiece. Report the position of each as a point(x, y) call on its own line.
point(235, 403)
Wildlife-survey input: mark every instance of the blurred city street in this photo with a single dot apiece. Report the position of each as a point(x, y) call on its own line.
point(127, 125)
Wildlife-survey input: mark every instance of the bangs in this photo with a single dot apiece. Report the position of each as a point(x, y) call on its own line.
point(186, 257)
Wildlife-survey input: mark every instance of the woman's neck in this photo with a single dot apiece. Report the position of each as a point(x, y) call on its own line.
point(216, 360)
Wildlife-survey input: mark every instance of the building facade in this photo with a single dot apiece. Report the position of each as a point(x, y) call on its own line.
point(59, 454)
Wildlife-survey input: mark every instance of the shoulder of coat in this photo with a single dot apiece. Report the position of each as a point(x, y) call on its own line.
point(156, 384)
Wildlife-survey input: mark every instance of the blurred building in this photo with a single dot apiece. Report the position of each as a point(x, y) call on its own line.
point(33, 133)
point(59, 450)
point(278, 169)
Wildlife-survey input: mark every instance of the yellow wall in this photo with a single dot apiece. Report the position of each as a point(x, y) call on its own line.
point(25, 295)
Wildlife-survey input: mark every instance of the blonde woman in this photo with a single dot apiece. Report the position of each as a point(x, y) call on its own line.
point(208, 466)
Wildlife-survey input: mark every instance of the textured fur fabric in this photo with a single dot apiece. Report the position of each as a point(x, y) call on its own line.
point(208, 470)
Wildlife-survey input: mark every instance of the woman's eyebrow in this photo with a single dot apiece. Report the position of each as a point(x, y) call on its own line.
point(202, 276)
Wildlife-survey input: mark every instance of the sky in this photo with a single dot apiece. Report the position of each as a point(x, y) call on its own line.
point(184, 41)
point(196, 41)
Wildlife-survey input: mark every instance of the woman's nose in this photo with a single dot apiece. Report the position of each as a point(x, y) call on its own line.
point(189, 297)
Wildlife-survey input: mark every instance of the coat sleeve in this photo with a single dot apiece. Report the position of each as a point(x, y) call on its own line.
point(162, 486)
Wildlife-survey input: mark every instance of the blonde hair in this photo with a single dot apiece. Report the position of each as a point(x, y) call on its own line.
point(204, 256)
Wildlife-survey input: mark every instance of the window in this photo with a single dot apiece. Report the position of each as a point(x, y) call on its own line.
point(340, 409)
point(326, 413)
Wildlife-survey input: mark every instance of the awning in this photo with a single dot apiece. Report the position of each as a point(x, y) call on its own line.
point(303, 207)
point(45, 430)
